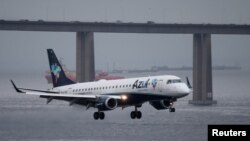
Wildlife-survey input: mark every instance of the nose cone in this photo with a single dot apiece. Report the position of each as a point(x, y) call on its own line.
point(184, 90)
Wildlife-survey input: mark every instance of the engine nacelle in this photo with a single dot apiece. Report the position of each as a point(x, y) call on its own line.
point(107, 103)
point(160, 105)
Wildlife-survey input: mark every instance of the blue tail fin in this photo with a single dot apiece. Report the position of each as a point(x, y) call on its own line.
point(57, 74)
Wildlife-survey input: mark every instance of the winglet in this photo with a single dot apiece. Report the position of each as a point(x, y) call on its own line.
point(17, 89)
point(188, 83)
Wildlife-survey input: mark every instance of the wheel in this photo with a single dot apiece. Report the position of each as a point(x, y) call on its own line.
point(96, 115)
point(171, 109)
point(138, 114)
point(102, 115)
point(133, 114)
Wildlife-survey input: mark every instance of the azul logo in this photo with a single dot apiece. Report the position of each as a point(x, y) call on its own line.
point(154, 83)
point(55, 69)
point(140, 84)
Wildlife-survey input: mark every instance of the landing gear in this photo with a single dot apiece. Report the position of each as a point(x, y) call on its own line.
point(171, 107)
point(102, 115)
point(99, 115)
point(96, 115)
point(138, 114)
point(135, 114)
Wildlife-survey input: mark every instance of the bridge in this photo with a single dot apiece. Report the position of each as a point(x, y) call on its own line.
point(85, 68)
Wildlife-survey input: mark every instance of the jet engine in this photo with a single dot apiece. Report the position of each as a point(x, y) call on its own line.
point(107, 103)
point(160, 105)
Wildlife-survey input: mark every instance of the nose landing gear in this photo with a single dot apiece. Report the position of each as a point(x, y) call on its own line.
point(171, 107)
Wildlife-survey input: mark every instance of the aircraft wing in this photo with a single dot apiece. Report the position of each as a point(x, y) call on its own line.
point(61, 95)
point(58, 94)
point(85, 96)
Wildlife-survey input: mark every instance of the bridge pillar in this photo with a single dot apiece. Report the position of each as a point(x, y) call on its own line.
point(85, 62)
point(202, 70)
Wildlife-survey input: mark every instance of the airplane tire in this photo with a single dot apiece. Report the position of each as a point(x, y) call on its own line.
point(138, 114)
point(172, 110)
point(96, 115)
point(133, 114)
point(101, 115)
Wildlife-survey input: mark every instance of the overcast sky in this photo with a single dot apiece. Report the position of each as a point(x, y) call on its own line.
point(27, 50)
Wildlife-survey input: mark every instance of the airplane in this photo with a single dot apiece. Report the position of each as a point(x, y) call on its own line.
point(160, 91)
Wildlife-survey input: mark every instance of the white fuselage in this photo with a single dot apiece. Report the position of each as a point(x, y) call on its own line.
point(165, 85)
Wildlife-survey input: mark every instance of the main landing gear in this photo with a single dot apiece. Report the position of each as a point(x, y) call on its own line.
point(99, 115)
point(135, 114)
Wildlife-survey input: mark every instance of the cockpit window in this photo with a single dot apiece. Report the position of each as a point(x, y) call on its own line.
point(173, 81)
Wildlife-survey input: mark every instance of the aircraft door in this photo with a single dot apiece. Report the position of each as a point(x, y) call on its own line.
point(70, 90)
point(160, 82)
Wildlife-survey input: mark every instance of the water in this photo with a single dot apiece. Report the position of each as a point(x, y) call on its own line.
point(25, 117)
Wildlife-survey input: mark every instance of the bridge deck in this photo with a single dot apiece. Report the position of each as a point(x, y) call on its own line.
point(76, 26)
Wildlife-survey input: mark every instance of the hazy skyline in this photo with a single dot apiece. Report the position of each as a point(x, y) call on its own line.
point(27, 50)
